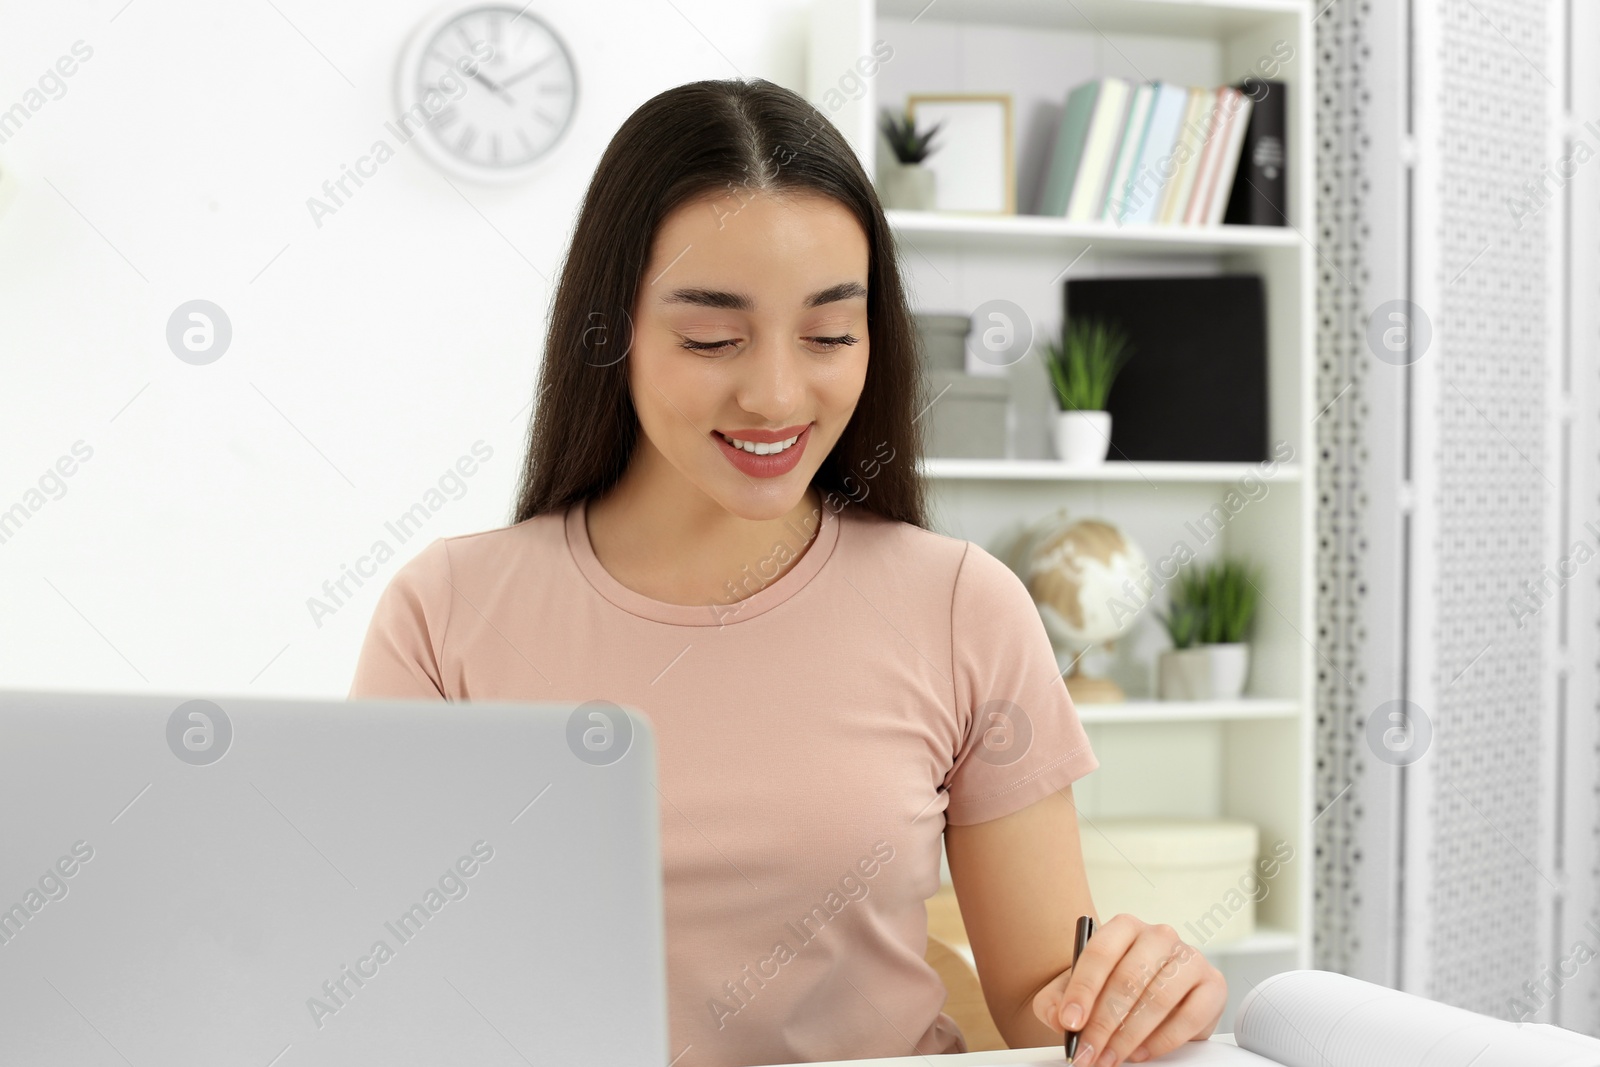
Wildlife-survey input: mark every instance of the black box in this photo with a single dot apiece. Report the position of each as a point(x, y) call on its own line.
point(1195, 386)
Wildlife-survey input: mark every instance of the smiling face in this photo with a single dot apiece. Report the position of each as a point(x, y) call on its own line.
point(750, 326)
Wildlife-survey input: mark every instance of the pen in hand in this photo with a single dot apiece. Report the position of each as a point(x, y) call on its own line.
point(1080, 938)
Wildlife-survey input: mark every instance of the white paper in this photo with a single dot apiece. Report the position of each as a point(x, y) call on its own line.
point(1323, 1019)
point(1216, 1051)
point(1206, 1053)
point(1189, 1054)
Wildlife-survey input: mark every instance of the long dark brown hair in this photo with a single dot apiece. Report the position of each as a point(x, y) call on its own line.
point(727, 136)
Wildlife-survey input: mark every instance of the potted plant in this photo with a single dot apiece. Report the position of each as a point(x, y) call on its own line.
point(908, 184)
point(1083, 364)
point(1183, 672)
point(1212, 612)
point(1230, 598)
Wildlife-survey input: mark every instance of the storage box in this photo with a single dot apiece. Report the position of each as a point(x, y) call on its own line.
point(969, 418)
point(1197, 875)
point(944, 340)
point(1196, 386)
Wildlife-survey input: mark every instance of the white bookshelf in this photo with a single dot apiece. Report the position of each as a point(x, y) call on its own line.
point(949, 469)
point(1251, 758)
point(1181, 18)
point(1143, 711)
point(1023, 232)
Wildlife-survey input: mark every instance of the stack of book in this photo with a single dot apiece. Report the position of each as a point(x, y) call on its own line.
point(1156, 153)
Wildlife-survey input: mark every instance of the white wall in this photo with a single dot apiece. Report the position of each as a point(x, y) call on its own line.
point(368, 355)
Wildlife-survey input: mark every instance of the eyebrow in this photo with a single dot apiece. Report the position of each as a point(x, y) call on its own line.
point(717, 298)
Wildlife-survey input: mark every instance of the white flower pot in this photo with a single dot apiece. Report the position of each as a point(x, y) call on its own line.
point(907, 186)
point(1184, 674)
point(1230, 665)
point(1083, 437)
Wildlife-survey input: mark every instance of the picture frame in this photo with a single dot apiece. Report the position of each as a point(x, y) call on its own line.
point(974, 158)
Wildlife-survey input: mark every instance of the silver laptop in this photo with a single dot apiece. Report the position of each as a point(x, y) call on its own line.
point(285, 883)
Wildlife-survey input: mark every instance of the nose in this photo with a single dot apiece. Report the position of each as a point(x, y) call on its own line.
point(771, 382)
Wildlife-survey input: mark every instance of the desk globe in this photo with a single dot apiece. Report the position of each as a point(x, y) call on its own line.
point(1089, 580)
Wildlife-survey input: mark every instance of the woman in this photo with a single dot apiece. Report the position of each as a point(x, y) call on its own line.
point(721, 524)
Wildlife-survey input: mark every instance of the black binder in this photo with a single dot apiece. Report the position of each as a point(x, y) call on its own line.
point(1195, 386)
point(1260, 195)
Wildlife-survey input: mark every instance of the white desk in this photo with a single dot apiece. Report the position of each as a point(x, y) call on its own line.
point(1193, 1052)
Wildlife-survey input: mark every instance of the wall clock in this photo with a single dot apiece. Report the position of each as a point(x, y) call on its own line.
point(499, 85)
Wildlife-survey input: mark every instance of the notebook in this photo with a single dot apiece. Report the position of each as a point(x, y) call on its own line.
point(1324, 1019)
point(1191, 136)
point(1238, 123)
point(1116, 201)
point(1056, 193)
point(1153, 169)
point(1099, 145)
point(1221, 155)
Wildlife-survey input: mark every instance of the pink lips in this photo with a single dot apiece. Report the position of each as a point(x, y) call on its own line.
point(772, 466)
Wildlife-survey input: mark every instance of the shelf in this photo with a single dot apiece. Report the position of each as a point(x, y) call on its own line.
point(1164, 18)
point(1049, 470)
point(1187, 710)
point(1042, 233)
point(1158, 757)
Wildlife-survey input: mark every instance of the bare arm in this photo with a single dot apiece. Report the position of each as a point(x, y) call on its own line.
point(1138, 992)
point(1021, 887)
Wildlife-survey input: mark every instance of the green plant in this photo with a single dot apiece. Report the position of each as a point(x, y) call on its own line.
point(910, 146)
point(1215, 604)
point(1085, 362)
point(1231, 600)
point(1183, 624)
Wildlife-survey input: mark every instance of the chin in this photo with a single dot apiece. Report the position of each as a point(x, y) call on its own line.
point(767, 504)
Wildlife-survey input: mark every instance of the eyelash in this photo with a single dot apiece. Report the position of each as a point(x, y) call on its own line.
point(832, 343)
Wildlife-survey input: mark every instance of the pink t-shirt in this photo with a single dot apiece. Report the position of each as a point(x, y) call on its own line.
point(813, 740)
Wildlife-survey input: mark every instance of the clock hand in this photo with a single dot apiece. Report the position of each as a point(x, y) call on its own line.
point(527, 71)
point(498, 90)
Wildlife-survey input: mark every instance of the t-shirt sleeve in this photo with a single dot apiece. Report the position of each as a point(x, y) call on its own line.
point(404, 645)
point(1022, 736)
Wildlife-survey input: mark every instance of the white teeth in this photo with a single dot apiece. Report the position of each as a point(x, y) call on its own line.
point(760, 448)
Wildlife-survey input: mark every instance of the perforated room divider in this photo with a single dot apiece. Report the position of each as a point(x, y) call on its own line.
point(1459, 551)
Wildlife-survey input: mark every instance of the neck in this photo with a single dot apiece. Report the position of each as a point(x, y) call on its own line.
point(661, 536)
